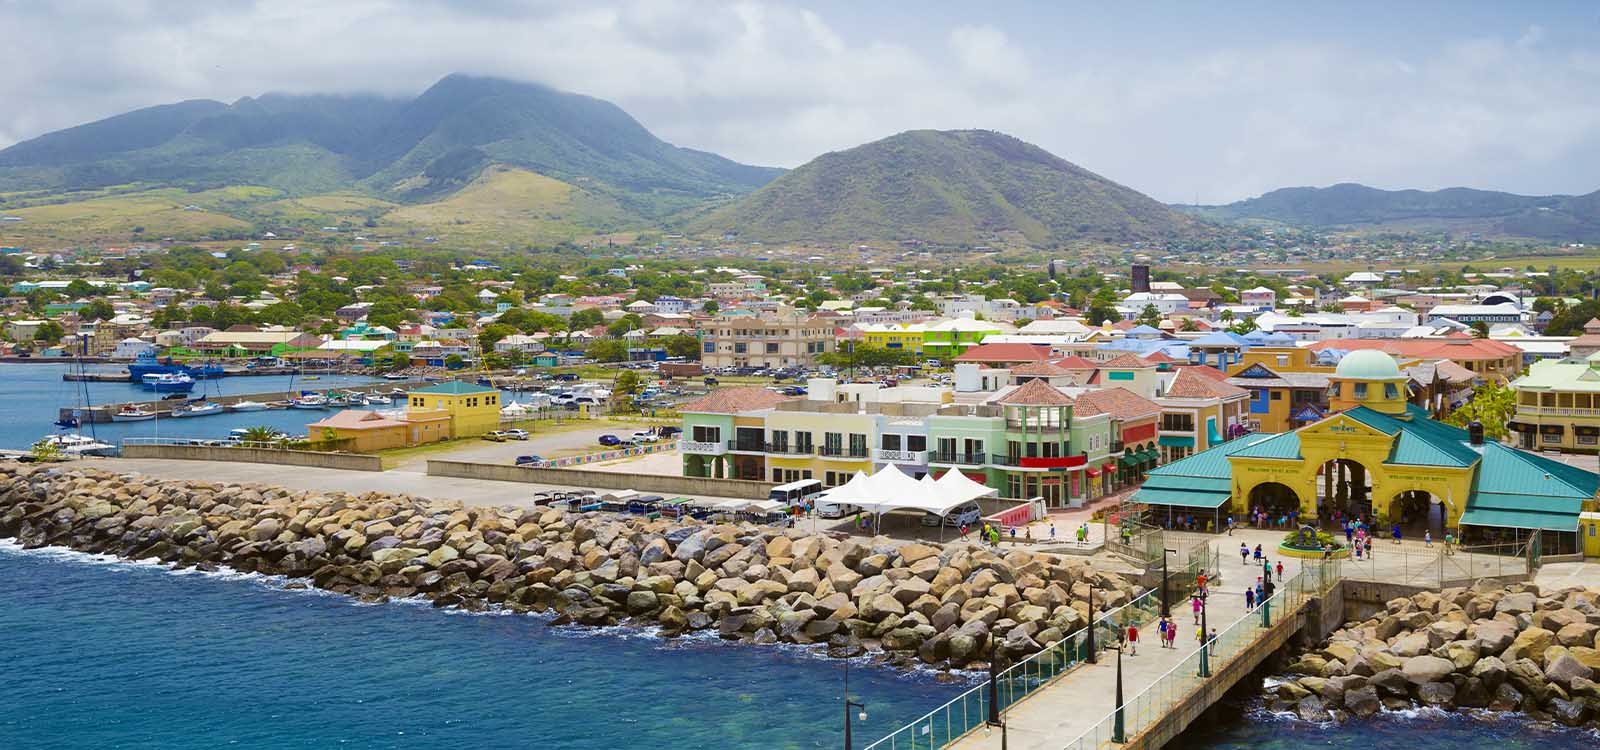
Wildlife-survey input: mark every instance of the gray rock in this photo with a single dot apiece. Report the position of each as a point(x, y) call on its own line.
point(1565, 668)
point(1362, 702)
point(1424, 669)
point(1310, 708)
point(1570, 713)
point(1491, 670)
point(1440, 694)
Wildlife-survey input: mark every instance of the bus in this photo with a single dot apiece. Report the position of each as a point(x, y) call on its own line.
point(796, 493)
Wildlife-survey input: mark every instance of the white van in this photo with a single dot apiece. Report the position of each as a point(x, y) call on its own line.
point(796, 493)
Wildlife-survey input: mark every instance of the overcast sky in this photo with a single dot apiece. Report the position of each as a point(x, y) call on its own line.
point(1184, 101)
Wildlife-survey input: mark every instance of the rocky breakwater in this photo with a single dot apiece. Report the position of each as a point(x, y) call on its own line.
point(1512, 648)
point(915, 602)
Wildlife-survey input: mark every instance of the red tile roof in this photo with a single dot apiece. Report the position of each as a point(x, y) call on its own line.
point(1040, 370)
point(1129, 361)
point(1120, 403)
point(1075, 362)
point(1005, 353)
point(734, 400)
point(1156, 358)
point(1036, 393)
point(1189, 382)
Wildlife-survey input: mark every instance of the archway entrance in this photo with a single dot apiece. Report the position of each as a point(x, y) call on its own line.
point(1275, 499)
point(1344, 491)
point(1417, 511)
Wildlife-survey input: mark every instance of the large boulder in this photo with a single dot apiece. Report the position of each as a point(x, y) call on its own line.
point(1440, 694)
point(1362, 702)
point(1516, 604)
point(1565, 668)
point(1424, 669)
point(1530, 644)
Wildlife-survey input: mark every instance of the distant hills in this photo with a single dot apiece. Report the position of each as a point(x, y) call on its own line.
point(416, 150)
point(946, 187)
point(1552, 217)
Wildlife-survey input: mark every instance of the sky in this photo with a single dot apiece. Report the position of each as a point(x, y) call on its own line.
point(1185, 101)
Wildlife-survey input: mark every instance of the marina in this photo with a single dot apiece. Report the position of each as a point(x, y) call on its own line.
point(370, 394)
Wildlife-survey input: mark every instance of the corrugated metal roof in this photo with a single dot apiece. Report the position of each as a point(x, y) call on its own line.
point(1188, 498)
point(1283, 445)
point(1519, 519)
point(1412, 450)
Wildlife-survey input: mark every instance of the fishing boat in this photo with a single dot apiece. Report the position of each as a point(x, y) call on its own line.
point(248, 406)
point(206, 371)
point(149, 364)
point(339, 400)
point(169, 382)
point(309, 400)
point(69, 423)
point(395, 376)
point(132, 413)
point(74, 444)
point(199, 409)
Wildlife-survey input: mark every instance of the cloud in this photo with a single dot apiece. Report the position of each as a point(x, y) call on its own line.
point(774, 83)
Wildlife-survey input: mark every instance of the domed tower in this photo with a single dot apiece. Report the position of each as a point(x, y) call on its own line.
point(1370, 378)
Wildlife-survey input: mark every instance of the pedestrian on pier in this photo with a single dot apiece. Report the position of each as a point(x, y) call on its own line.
point(1258, 552)
point(1133, 639)
point(1172, 635)
point(1280, 570)
point(1244, 553)
point(1212, 644)
point(1161, 632)
point(1194, 604)
point(1249, 599)
point(1369, 549)
point(1200, 582)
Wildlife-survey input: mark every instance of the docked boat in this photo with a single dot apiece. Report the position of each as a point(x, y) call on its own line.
point(395, 376)
point(132, 413)
point(248, 406)
point(205, 371)
point(74, 444)
point(199, 409)
point(150, 364)
point(309, 401)
point(169, 382)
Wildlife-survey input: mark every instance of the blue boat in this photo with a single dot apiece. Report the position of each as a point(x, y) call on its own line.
point(204, 372)
point(150, 364)
point(170, 382)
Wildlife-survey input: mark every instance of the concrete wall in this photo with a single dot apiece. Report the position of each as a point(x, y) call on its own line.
point(605, 480)
point(347, 461)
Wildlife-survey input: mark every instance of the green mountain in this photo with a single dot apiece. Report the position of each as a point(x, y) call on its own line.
point(945, 187)
point(1550, 217)
point(422, 149)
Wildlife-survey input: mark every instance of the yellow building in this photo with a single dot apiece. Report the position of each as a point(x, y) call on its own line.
point(472, 409)
point(1383, 459)
point(1558, 405)
point(903, 337)
point(830, 443)
point(363, 431)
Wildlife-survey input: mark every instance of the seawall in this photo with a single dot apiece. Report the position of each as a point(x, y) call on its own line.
point(316, 459)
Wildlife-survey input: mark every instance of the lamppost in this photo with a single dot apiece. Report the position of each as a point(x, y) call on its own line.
point(994, 719)
point(1090, 635)
point(1119, 732)
point(1205, 637)
point(1166, 606)
point(849, 704)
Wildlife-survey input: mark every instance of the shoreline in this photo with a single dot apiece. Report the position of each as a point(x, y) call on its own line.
point(623, 630)
point(1514, 649)
point(910, 605)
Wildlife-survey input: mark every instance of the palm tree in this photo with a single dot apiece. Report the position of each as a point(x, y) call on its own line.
point(260, 434)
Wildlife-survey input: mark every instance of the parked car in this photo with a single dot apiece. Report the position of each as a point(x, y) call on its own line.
point(494, 437)
point(534, 460)
point(644, 436)
point(964, 514)
point(515, 434)
point(667, 431)
point(610, 440)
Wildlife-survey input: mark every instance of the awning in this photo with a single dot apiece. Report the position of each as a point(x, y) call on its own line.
point(1180, 497)
point(1109, 466)
point(1093, 471)
point(1176, 441)
point(1129, 460)
point(1150, 456)
point(1551, 429)
point(1583, 429)
point(1211, 433)
point(1520, 427)
point(1519, 519)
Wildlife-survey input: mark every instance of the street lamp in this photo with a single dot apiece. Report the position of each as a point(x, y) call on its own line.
point(1090, 635)
point(849, 704)
point(1205, 637)
point(994, 695)
point(1119, 730)
point(1166, 606)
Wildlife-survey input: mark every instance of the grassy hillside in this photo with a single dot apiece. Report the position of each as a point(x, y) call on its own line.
point(372, 150)
point(1459, 210)
point(509, 202)
point(945, 187)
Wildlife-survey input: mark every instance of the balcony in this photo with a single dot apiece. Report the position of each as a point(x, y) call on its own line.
point(1040, 462)
point(846, 453)
point(787, 449)
point(747, 446)
point(694, 448)
point(1557, 411)
point(886, 456)
point(958, 459)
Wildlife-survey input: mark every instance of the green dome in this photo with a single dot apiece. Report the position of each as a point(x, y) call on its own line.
point(1367, 364)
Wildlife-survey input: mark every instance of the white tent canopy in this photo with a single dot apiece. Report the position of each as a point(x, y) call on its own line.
point(891, 489)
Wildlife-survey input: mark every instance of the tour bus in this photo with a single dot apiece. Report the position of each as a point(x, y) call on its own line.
point(796, 493)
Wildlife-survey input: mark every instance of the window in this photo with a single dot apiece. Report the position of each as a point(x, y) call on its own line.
point(772, 348)
point(1277, 395)
point(1013, 486)
point(1177, 422)
point(708, 347)
point(830, 479)
point(805, 473)
point(802, 441)
point(1390, 392)
point(740, 348)
point(916, 442)
point(891, 441)
point(1361, 391)
point(777, 476)
point(704, 434)
point(1588, 439)
point(832, 443)
point(858, 444)
point(947, 447)
point(1551, 437)
point(1333, 390)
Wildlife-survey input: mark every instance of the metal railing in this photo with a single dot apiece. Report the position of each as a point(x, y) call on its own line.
point(968, 459)
point(214, 442)
point(970, 710)
point(1166, 694)
point(1440, 566)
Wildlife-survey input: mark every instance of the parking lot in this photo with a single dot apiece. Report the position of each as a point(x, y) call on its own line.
point(548, 439)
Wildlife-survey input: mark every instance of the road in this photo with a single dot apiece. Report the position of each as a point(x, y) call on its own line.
point(570, 438)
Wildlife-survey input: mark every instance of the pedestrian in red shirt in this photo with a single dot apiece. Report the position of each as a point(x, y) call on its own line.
point(1133, 640)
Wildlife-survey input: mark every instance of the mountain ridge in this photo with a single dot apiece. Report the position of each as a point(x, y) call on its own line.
point(945, 187)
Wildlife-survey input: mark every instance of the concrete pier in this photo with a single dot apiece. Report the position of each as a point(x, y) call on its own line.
point(101, 414)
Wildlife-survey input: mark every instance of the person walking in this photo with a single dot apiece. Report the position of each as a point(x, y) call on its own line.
point(1212, 642)
point(1172, 636)
point(1161, 632)
point(1244, 553)
point(1427, 538)
point(1230, 524)
point(1249, 599)
point(1133, 639)
point(1194, 604)
point(1280, 570)
point(1200, 582)
point(1258, 553)
point(1369, 549)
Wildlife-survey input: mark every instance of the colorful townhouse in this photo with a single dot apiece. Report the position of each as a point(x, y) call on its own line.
point(1558, 405)
point(948, 339)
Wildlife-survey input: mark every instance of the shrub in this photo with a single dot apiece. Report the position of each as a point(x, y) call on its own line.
point(1296, 539)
